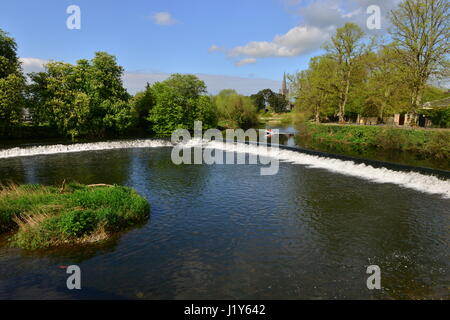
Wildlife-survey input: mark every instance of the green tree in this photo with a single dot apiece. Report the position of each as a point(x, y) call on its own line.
point(315, 87)
point(9, 62)
point(142, 103)
point(12, 83)
point(83, 99)
point(236, 109)
point(347, 47)
point(387, 89)
point(268, 99)
point(186, 85)
point(421, 29)
point(278, 102)
point(179, 101)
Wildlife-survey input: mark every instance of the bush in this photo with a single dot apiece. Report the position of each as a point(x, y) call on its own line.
point(439, 116)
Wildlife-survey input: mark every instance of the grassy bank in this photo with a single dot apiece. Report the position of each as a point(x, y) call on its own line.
point(44, 217)
point(274, 119)
point(428, 143)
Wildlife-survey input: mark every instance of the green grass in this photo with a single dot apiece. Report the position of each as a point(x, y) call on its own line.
point(44, 217)
point(282, 119)
point(430, 143)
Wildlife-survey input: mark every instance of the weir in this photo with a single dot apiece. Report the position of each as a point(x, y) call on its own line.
point(377, 173)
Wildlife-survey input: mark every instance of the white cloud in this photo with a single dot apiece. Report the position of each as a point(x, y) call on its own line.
point(136, 81)
point(319, 20)
point(243, 62)
point(335, 13)
point(33, 64)
point(215, 48)
point(163, 18)
point(297, 41)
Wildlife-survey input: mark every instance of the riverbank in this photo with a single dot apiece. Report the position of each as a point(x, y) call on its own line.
point(42, 216)
point(427, 143)
point(276, 119)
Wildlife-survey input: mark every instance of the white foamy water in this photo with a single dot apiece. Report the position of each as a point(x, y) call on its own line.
point(81, 147)
point(412, 180)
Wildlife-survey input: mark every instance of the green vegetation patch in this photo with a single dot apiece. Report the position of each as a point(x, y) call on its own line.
point(430, 143)
point(44, 217)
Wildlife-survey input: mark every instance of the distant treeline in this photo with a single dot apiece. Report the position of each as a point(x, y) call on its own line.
point(362, 75)
point(88, 99)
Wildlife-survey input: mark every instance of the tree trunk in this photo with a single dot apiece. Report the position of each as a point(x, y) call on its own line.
point(345, 98)
point(317, 114)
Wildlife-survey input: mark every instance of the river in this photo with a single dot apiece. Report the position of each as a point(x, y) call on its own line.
point(226, 232)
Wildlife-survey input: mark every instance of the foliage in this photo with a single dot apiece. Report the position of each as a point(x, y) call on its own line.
point(142, 103)
point(347, 48)
point(387, 89)
point(46, 216)
point(236, 109)
point(440, 117)
point(267, 99)
point(12, 84)
point(429, 143)
point(179, 101)
point(315, 87)
point(9, 62)
point(83, 99)
point(421, 29)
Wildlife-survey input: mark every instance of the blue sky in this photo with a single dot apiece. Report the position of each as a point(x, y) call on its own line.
point(245, 44)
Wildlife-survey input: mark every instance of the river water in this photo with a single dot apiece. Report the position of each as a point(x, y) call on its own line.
point(226, 232)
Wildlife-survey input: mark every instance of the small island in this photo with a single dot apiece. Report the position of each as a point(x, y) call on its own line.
point(42, 217)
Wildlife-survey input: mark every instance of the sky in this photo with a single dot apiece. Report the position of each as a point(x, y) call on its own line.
point(246, 45)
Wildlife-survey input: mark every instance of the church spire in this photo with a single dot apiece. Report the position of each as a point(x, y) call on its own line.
point(284, 90)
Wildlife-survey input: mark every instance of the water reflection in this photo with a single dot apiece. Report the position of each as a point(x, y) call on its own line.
point(224, 231)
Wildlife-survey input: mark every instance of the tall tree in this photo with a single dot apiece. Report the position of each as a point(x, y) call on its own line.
point(179, 101)
point(347, 47)
point(142, 103)
point(12, 83)
point(83, 99)
point(421, 29)
point(387, 88)
point(267, 98)
point(235, 109)
point(315, 87)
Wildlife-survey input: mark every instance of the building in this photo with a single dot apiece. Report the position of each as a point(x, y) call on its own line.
point(284, 91)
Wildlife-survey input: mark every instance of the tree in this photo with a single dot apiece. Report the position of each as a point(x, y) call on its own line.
point(187, 85)
point(83, 99)
point(12, 83)
point(9, 62)
point(278, 102)
point(315, 92)
point(268, 99)
point(179, 101)
point(236, 109)
point(347, 47)
point(317, 86)
point(142, 103)
point(421, 29)
point(387, 89)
